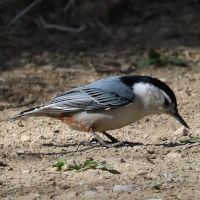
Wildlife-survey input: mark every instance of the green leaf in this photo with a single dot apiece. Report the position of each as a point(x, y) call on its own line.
point(154, 56)
point(62, 159)
point(76, 163)
point(58, 165)
point(107, 165)
point(142, 63)
point(157, 59)
point(178, 61)
point(191, 140)
point(90, 163)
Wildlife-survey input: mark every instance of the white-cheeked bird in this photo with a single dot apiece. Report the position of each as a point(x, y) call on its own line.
point(109, 104)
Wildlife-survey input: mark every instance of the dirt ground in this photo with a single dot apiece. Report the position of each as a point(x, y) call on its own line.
point(33, 72)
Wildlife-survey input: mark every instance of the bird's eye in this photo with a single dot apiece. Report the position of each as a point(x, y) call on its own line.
point(166, 102)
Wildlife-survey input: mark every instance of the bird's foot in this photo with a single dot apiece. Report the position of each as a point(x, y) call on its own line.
point(92, 142)
point(104, 143)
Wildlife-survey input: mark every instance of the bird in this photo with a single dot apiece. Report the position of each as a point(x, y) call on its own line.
point(108, 104)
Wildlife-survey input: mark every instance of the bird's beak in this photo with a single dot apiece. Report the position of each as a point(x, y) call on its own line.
point(180, 119)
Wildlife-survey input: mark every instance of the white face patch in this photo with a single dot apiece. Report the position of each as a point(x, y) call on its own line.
point(150, 96)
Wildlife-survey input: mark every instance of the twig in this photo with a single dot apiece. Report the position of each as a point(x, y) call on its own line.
point(23, 12)
point(71, 2)
point(92, 66)
point(151, 161)
point(61, 28)
point(190, 146)
point(60, 152)
point(103, 27)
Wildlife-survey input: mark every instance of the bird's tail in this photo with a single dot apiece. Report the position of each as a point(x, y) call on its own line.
point(30, 112)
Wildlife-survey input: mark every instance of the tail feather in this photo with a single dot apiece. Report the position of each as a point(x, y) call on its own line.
point(30, 112)
point(16, 117)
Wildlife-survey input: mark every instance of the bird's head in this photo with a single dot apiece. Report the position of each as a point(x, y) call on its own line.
point(157, 98)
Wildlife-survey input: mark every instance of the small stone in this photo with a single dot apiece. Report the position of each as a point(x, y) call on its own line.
point(29, 66)
point(20, 151)
point(168, 180)
point(2, 79)
point(101, 188)
point(26, 171)
point(25, 138)
point(94, 174)
point(124, 188)
point(137, 148)
point(53, 169)
point(173, 155)
point(151, 176)
point(125, 67)
point(90, 193)
point(142, 172)
point(37, 88)
point(64, 167)
point(47, 67)
point(37, 196)
point(182, 131)
point(71, 195)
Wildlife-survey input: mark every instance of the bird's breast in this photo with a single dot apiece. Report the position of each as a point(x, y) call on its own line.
point(104, 120)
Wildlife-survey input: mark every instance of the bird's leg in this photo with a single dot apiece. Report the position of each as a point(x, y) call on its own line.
point(114, 142)
point(105, 144)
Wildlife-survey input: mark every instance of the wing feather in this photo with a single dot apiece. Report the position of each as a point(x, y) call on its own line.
point(88, 99)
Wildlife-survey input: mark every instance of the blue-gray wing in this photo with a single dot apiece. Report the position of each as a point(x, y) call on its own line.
point(87, 98)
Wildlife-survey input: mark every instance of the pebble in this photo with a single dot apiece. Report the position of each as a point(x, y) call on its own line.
point(53, 169)
point(125, 67)
point(137, 148)
point(20, 151)
point(142, 172)
point(25, 138)
point(125, 188)
point(151, 176)
point(37, 196)
point(173, 155)
point(182, 131)
point(89, 193)
point(64, 167)
point(101, 188)
point(71, 195)
point(2, 79)
point(26, 171)
point(47, 67)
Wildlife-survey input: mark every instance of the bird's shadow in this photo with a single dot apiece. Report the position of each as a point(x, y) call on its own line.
point(59, 145)
point(169, 145)
point(125, 143)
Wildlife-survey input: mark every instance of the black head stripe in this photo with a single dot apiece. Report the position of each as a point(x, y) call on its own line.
point(131, 80)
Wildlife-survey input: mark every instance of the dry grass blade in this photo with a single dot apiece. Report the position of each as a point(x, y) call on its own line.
point(23, 12)
point(61, 28)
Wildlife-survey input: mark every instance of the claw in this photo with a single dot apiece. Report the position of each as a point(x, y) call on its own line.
point(113, 143)
point(84, 143)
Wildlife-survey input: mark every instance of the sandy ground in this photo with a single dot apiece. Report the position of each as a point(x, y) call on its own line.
point(37, 64)
point(173, 174)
